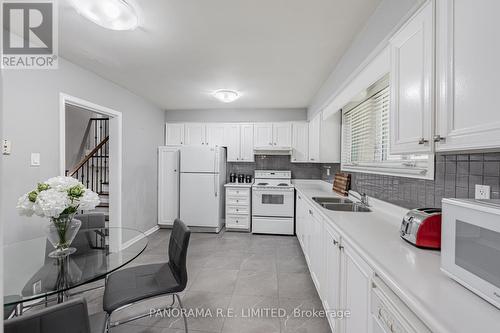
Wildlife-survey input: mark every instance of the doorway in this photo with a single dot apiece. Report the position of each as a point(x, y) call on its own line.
point(91, 151)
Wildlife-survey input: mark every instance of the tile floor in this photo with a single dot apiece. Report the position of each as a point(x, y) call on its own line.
point(233, 272)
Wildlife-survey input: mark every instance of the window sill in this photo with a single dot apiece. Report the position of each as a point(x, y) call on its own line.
point(392, 171)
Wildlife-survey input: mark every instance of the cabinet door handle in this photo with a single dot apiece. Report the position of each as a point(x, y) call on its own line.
point(310, 212)
point(270, 143)
point(422, 141)
point(312, 159)
point(439, 138)
point(335, 242)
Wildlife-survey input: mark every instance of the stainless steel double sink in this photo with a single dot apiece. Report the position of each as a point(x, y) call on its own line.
point(341, 205)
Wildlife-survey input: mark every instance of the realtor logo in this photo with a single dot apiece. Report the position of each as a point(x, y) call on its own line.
point(29, 34)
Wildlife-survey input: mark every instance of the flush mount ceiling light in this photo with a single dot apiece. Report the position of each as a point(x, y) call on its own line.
point(110, 14)
point(226, 95)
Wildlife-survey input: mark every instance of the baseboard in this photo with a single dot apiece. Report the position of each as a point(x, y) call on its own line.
point(139, 237)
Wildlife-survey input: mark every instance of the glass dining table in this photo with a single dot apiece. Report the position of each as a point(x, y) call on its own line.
point(31, 277)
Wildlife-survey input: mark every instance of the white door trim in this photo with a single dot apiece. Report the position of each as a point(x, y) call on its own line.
point(115, 151)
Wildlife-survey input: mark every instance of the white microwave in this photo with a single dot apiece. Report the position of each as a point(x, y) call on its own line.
point(470, 245)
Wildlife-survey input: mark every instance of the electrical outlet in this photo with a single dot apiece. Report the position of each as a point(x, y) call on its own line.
point(482, 192)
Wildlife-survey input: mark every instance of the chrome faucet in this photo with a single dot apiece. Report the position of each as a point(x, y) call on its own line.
point(363, 198)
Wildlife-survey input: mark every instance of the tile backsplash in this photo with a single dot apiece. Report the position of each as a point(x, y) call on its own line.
point(456, 177)
point(277, 162)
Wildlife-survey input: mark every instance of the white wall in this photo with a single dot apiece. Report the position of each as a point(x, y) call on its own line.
point(31, 120)
point(76, 124)
point(388, 16)
point(2, 221)
point(236, 115)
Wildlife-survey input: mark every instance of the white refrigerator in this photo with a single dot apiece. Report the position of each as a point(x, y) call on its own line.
point(203, 175)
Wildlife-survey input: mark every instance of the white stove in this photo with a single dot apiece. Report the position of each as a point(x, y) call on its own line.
point(273, 202)
point(270, 178)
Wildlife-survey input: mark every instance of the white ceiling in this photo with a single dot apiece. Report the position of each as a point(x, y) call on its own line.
point(277, 53)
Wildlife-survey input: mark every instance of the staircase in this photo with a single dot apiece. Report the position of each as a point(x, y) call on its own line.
point(93, 168)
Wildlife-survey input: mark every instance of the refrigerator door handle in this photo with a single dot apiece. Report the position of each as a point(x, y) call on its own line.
point(215, 174)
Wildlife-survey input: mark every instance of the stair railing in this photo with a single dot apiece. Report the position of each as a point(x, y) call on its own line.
point(92, 170)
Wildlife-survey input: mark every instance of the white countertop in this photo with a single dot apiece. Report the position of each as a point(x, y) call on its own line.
point(238, 184)
point(413, 274)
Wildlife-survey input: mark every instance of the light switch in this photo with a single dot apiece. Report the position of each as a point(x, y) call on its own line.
point(6, 147)
point(35, 159)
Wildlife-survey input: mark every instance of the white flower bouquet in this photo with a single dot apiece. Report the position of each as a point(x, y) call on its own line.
point(58, 199)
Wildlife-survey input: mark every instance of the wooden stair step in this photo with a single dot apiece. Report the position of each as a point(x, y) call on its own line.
point(103, 204)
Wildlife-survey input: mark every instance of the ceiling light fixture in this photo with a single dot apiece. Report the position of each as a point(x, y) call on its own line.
point(226, 95)
point(110, 14)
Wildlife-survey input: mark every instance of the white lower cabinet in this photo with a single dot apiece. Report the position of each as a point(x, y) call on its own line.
point(300, 225)
point(238, 207)
point(331, 261)
point(342, 278)
point(168, 185)
point(355, 291)
point(316, 253)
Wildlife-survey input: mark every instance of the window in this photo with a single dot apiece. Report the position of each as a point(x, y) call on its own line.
point(365, 138)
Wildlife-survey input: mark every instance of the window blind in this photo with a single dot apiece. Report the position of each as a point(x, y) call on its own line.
point(366, 141)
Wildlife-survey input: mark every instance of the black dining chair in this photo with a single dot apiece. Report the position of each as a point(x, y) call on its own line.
point(131, 285)
point(68, 317)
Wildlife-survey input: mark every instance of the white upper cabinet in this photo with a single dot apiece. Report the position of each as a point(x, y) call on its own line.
point(239, 142)
point(174, 134)
point(246, 143)
point(468, 68)
point(232, 141)
point(412, 68)
point(215, 134)
point(263, 134)
point(268, 135)
point(324, 139)
point(300, 142)
point(314, 138)
point(195, 134)
point(282, 134)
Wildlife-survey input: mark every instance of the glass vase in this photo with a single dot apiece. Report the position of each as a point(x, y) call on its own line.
point(61, 232)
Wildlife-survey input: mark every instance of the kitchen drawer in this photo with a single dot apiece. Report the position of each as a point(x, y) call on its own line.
point(238, 210)
point(237, 200)
point(238, 222)
point(238, 192)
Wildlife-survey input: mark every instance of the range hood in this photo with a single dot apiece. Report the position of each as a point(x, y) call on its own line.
point(272, 150)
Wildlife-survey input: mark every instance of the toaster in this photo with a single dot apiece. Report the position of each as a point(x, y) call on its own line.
point(422, 227)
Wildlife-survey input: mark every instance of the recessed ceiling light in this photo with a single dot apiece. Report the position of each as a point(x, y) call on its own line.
point(110, 14)
point(226, 95)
